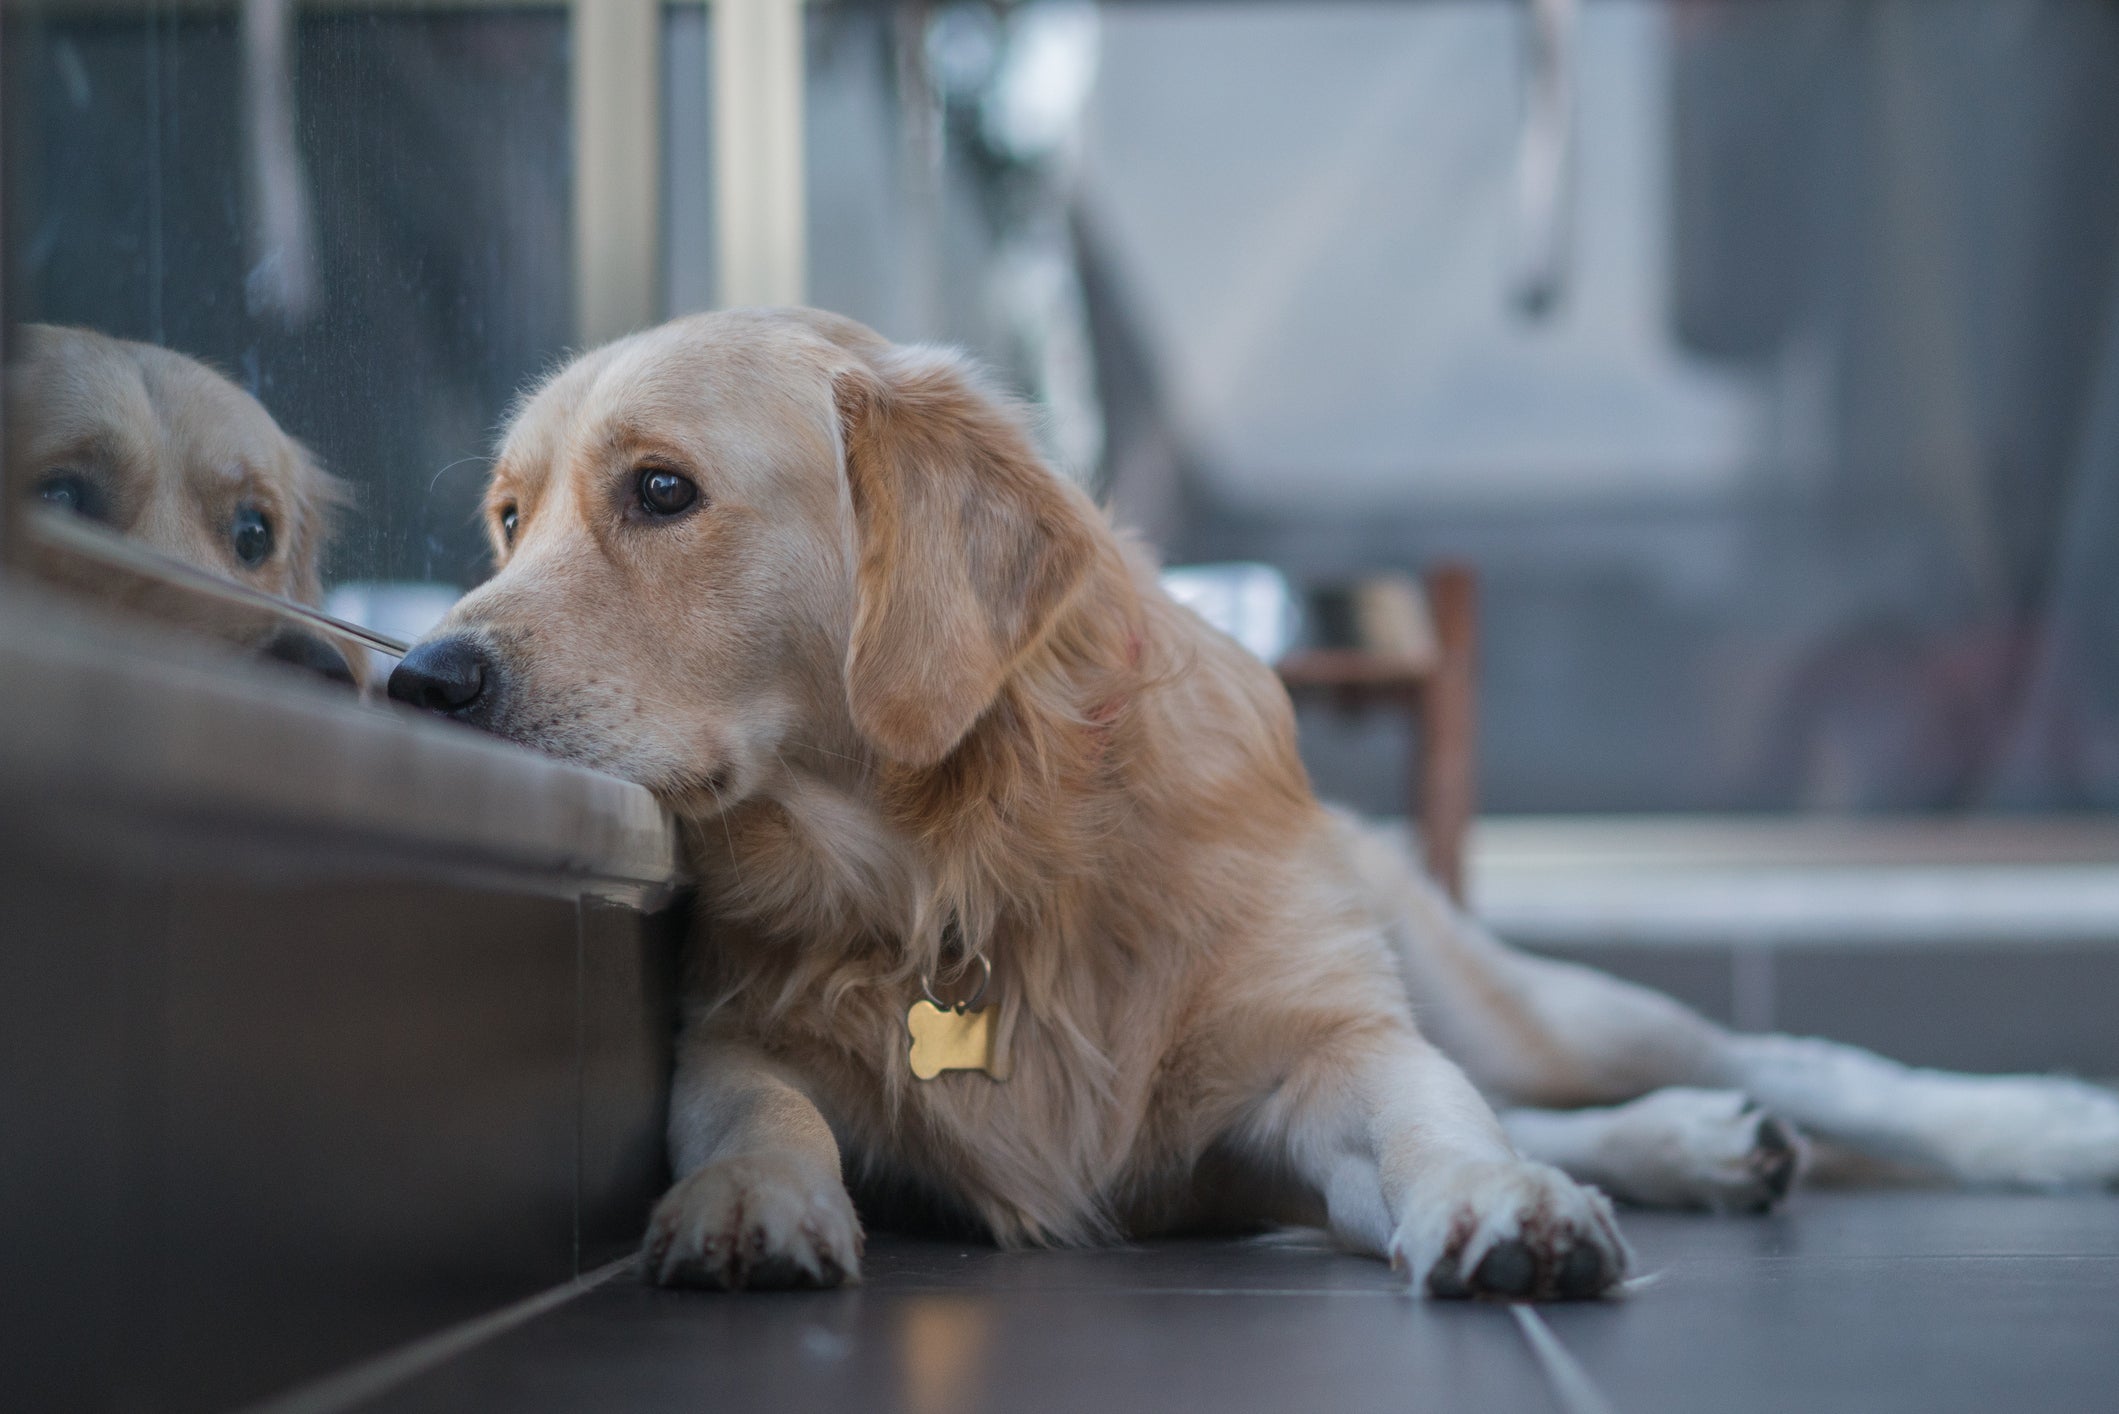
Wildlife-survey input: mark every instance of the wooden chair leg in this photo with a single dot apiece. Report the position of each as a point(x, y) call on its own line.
point(1445, 782)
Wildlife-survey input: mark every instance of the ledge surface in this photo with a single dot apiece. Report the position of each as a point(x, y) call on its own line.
point(118, 717)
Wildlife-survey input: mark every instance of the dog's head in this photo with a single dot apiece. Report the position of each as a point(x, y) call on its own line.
point(748, 536)
point(164, 450)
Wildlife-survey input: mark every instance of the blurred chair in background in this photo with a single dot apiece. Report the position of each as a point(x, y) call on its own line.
point(1386, 642)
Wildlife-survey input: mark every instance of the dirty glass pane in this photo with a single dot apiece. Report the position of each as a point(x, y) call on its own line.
point(358, 215)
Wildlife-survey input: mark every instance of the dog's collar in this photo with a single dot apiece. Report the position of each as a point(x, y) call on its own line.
point(958, 1035)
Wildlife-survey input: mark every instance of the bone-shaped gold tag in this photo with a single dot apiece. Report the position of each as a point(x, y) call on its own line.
point(952, 1038)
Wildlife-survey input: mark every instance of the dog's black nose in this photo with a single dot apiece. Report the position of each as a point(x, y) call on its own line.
point(446, 675)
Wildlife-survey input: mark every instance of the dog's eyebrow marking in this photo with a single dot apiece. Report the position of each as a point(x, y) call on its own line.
point(628, 441)
point(520, 480)
point(93, 444)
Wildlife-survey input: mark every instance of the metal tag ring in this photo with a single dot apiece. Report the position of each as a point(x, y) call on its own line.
point(985, 981)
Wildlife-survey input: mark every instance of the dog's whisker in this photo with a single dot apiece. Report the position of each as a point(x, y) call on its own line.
point(822, 751)
point(735, 866)
point(435, 480)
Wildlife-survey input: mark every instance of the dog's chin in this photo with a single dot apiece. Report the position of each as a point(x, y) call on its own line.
point(696, 788)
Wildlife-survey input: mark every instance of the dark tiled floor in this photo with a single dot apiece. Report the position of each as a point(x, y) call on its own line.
point(1858, 1302)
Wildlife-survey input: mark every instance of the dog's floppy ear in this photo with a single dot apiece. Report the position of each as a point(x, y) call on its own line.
point(968, 547)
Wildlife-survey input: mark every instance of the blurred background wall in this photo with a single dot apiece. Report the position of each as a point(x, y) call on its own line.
point(1799, 497)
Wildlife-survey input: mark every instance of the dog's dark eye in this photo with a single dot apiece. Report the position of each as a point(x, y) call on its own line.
point(508, 517)
point(665, 493)
point(70, 491)
point(252, 534)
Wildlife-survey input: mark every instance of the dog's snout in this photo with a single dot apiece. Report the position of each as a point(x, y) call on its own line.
point(445, 675)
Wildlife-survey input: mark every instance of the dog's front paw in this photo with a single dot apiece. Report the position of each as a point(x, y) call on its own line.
point(1510, 1229)
point(758, 1221)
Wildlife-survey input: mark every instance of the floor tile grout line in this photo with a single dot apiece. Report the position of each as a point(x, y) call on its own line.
point(1564, 1375)
point(581, 1067)
point(366, 1380)
point(931, 1288)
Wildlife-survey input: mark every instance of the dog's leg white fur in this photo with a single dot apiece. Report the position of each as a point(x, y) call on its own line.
point(1673, 1148)
point(1532, 1031)
point(759, 1198)
point(1413, 1166)
point(1990, 1131)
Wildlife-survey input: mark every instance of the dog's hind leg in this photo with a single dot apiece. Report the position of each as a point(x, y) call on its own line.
point(1672, 1148)
point(1527, 1030)
point(1532, 1031)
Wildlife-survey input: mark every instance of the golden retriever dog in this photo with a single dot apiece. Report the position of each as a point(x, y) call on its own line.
point(164, 450)
point(1016, 907)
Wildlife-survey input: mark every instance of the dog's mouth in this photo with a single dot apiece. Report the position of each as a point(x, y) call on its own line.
point(464, 679)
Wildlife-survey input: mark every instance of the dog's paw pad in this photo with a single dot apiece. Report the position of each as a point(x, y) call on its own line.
point(1512, 1231)
point(1585, 1273)
point(1508, 1269)
point(1776, 1159)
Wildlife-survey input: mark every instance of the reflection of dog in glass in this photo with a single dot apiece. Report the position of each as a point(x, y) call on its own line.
point(164, 450)
point(959, 776)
